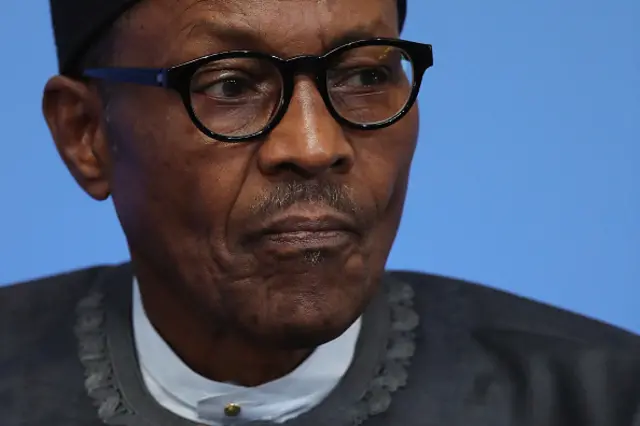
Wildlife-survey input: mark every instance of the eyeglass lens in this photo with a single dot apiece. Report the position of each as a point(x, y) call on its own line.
point(240, 96)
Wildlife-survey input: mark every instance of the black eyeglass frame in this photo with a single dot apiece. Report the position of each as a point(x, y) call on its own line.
point(178, 78)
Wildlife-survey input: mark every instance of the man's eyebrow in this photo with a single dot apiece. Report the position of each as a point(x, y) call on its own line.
point(354, 34)
point(247, 38)
point(236, 37)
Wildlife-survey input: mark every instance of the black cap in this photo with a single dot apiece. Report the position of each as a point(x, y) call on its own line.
point(78, 23)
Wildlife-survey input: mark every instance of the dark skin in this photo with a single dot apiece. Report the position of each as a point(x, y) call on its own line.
point(232, 308)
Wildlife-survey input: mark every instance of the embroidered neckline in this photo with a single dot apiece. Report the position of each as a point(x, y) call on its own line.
point(392, 373)
point(99, 382)
point(102, 386)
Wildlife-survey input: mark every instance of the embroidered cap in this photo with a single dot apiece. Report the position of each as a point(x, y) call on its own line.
point(78, 23)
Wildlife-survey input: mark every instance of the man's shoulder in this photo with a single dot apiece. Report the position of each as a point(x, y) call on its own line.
point(550, 365)
point(495, 312)
point(37, 312)
point(41, 299)
point(42, 288)
point(39, 350)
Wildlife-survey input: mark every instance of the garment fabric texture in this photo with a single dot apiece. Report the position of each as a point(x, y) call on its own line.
point(77, 24)
point(433, 351)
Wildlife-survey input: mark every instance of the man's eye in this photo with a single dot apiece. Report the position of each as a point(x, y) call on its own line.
point(228, 88)
point(369, 77)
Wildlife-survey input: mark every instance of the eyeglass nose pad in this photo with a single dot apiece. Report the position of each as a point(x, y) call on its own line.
point(304, 65)
point(309, 65)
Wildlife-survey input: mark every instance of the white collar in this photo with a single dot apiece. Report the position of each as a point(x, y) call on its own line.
point(181, 390)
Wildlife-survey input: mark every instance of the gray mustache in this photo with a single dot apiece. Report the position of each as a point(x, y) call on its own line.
point(338, 197)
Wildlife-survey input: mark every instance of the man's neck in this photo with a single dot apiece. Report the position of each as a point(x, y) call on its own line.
point(216, 353)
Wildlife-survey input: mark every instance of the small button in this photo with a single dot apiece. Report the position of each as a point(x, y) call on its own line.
point(232, 410)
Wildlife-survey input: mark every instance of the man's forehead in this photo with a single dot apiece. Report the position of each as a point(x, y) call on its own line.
point(183, 29)
point(259, 7)
point(276, 21)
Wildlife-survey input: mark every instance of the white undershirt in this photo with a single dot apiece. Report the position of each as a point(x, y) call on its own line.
point(184, 392)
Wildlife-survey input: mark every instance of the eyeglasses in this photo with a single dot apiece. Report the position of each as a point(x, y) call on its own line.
point(241, 95)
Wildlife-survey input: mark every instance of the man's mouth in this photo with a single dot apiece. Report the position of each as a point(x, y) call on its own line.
point(308, 230)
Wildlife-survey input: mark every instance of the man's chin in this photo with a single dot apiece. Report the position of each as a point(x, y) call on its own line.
point(305, 334)
point(306, 320)
point(306, 302)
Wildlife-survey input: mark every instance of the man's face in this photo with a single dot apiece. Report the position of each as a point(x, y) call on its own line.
point(283, 238)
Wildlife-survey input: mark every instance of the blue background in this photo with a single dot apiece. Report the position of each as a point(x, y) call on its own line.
point(526, 175)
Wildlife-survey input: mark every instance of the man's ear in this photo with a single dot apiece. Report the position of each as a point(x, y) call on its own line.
point(74, 113)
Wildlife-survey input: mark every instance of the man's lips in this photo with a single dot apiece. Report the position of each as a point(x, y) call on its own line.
point(307, 230)
point(308, 223)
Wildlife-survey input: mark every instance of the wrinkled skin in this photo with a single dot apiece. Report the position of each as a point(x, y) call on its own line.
point(186, 203)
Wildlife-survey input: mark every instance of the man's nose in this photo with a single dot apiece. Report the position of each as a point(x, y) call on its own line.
point(308, 141)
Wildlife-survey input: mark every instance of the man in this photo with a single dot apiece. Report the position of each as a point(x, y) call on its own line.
point(257, 153)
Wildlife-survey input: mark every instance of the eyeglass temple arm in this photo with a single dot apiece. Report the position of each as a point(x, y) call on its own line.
point(145, 76)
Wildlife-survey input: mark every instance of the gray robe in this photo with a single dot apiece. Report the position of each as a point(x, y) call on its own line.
point(432, 351)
